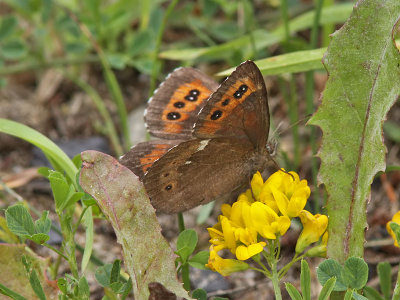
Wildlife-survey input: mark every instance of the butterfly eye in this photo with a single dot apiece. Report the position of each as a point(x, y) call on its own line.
point(173, 116)
point(191, 98)
point(168, 187)
point(243, 88)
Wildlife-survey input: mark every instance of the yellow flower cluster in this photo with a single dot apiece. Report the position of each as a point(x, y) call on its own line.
point(264, 212)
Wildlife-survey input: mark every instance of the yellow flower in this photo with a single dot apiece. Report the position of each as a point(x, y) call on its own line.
point(395, 219)
point(289, 193)
point(313, 228)
point(256, 185)
point(222, 235)
point(320, 250)
point(224, 266)
point(267, 223)
point(250, 247)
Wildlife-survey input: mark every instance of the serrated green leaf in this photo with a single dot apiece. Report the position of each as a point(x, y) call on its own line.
point(363, 65)
point(305, 280)
point(328, 269)
point(327, 289)
point(19, 221)
point(292, 291)
point(43, 225)
point(385, 278)
point(199, 260)
point(187, 241)
point(372, 294)
point(36, 285)
point(199, 294)
point(120, 194)
point(39, 238)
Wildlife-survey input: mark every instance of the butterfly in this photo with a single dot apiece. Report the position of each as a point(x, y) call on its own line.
point(212, 139)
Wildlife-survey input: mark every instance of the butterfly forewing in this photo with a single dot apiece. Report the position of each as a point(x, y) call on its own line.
point(173, 109)
point(239, 108)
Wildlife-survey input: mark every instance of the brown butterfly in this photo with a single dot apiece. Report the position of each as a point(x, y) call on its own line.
point(211, 143)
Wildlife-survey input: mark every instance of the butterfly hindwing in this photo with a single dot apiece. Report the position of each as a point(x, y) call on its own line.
point(198, 171)
point(238, 108)
point(173, 109)
point(142, 156)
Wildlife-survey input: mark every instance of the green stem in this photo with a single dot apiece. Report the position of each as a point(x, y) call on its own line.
point(185, 277)
point(285, 17)
point(102, 109)
point(181, 222)
point(154, 70)
point(55, 250)
point(275, 281)
point(79, 220)
point(286, 268)
point(294, 120)
point(327, 29)
point(56, 62)
point(54, 268)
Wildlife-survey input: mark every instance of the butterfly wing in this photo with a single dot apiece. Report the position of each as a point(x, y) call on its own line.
point(172, 110)
point(239, 108)
point(198, 171)
point(143, 155)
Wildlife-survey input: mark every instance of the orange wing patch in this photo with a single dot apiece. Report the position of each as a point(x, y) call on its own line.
point(148, 159)
point(234, 96)
point(185, 100)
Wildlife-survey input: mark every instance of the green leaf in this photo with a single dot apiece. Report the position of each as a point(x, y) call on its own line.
point(122, 198)
point(61, 189)
point(363, 65)
point(19, 221)
point(62, 285)
point(116, 268)
point(88, 222)
point(71, 200)
point(372, 294)
point(348, 295)
point(328, 269)
point(10, 293)
point(117, 60)
point(385, 278)
point(14, 49)
point(117, 287)
point(292, 291)
point(36, 285)
point(103, 275)
point(205, 212)
point(357, 296)
point(142, 42)
point(305, 280)
point(355, 273)
point(43, 224)
point(7, 26)
point(40, 238)
point(300, 61)
point(84, 291)
point(187, 241)
point(50, 149)
point(199, 294)
point(327, 289)
point(199, 260)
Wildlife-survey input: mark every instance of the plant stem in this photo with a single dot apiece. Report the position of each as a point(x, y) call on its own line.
point(154, 70)
point(55, 250)
point(185, 277)
point(285, 17)
point(275, 281)
point(181, 222)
